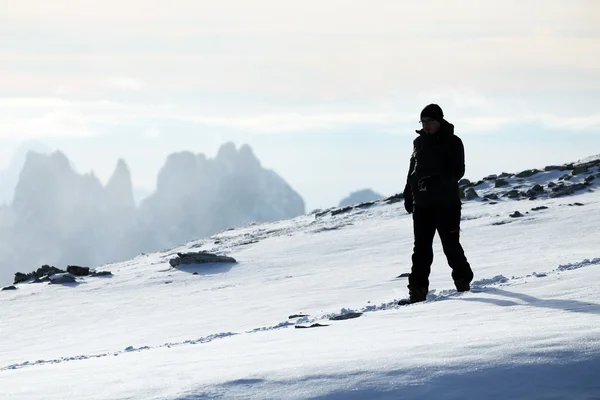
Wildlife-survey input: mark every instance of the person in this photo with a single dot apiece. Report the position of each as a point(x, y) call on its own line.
point(432, 196)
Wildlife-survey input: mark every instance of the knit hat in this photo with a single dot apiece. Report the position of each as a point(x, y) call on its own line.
point(433, 111)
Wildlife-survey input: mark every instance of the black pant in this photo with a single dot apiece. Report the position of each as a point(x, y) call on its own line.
point(446, 220)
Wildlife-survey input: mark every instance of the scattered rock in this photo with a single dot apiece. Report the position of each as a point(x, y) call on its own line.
point(62, 278)
point(200, 257)
point(527, 173)
point(44, 270)
point(366, 204)
point(341, 210)
point(576, 204)
point(565, 190)
point(478, 183)
point(500, 183)
point(395, 198)
point(464, 182)
point(551, 184)
point(554, 168)
point(516, 214)
point(492, 196)
point(297, 316)
point(505, 175)
point(101, 273)
point(470, 194)
point(12, 287)
point(493, 202)
point(404, 275)
point(315, 325)
point(579, 170)
point(346, 316)
point(490, 177)
point(565, 177)
point(512, 194)
point(539, 208)
point(78, 271)
point(589, 178)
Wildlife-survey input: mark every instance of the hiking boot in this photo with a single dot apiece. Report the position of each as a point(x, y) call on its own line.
point(462, 285)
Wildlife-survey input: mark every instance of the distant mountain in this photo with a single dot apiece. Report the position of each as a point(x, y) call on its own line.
point(10, 176)
point(197, 196)
point(360, 196)
point(60, 217)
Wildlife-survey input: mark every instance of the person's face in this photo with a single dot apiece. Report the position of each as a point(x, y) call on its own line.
point(430, 125)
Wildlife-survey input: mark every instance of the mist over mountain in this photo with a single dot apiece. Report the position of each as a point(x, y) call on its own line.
point(60, 217)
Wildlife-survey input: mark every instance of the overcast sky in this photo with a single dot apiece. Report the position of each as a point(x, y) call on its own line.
point(327, 92)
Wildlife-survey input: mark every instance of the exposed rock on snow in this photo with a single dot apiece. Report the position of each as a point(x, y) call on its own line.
point(12, 287)
point(43, 271)
point(201, 257)
point(78, 271)
point(62, 278)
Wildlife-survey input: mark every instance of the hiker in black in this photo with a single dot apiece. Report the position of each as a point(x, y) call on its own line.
point(432, 197)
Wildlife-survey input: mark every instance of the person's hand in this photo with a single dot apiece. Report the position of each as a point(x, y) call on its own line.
point(408, 204)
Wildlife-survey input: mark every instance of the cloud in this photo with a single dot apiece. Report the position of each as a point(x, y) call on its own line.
point(470, 110)
point(126, 84)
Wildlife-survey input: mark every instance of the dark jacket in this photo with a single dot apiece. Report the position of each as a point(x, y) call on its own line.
point(436, 165)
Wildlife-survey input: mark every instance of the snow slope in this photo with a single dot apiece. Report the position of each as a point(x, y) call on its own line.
point(530, 329)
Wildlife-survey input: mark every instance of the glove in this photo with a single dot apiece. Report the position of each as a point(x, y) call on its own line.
point(408, 204)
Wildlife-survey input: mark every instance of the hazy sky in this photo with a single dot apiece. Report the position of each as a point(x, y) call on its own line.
point(327, 92)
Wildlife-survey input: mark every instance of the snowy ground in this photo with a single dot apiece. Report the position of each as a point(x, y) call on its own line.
point(530, 329)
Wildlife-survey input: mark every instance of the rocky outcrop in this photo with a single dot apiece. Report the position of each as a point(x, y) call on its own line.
point(201, 257)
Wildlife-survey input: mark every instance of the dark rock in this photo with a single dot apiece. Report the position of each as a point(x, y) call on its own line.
point(493, 202)
point(44, 270)
point(505, 175)
point(200, 257)
point(500, 183)
point(478, 183)
point(553, 168)
point(62, 278)
point(589, 178)
point(77, 270)
point(537, 189)
point(470, 194)
point(512, 194)
point(12, 287)
point(464, 182)
point(101, 273)
point(579, 170)
point(527, 173)
point(315, 325)
point(539, 208)
point(566, 190)
point(20, 277)
point(395, 198)
point(565, 177)
point(404, 275)
point(297, 316)
point(346, 316)
point(366, 204)
point(490, 177)
point(551, 184)
point(342, 210)
point(492, 196)
point(516, 214)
